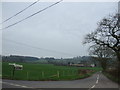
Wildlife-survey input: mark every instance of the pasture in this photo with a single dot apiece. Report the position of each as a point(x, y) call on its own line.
point(44, 72)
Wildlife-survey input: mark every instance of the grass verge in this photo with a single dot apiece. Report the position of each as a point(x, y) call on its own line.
point(114, 79)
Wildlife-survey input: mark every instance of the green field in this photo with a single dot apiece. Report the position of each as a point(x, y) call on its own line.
point(44, 72)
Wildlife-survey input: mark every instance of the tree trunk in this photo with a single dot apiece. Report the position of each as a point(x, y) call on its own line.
point(119, 72)
point(104, 64)
point(118, 66)
point(118, 56)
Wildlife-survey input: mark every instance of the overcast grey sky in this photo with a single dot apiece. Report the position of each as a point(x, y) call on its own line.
point(58, 31)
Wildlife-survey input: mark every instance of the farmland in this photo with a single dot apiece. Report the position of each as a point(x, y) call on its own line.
point(45, 72)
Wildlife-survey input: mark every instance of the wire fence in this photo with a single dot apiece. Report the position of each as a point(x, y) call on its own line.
point(41, 75)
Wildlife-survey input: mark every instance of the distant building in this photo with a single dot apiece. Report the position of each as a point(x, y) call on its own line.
point(78, 65)
point(82, 65)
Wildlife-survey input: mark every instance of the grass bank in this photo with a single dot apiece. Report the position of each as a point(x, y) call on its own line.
point(114, 79)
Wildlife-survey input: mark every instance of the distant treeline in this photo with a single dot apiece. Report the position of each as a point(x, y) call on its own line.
point(14, 58)
point(50, 60)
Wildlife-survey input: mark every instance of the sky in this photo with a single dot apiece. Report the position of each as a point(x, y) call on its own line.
point(56, 32)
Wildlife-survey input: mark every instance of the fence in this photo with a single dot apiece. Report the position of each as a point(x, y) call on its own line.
point(41, 75)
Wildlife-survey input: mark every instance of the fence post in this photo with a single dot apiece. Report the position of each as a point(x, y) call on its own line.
point(58, 74)
point(42, 74)
point(72, 73)
point(63, 73)
point(11, 74)
point(68, 72)
point(27, 75)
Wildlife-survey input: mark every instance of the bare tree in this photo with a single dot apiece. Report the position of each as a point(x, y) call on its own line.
point(103, 54)
point(101, 51)
point(107, 34)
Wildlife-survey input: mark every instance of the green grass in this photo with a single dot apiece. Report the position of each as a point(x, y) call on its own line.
point(44, 72)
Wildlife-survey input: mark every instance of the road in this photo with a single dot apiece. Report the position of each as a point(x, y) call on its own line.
point(98, 80)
